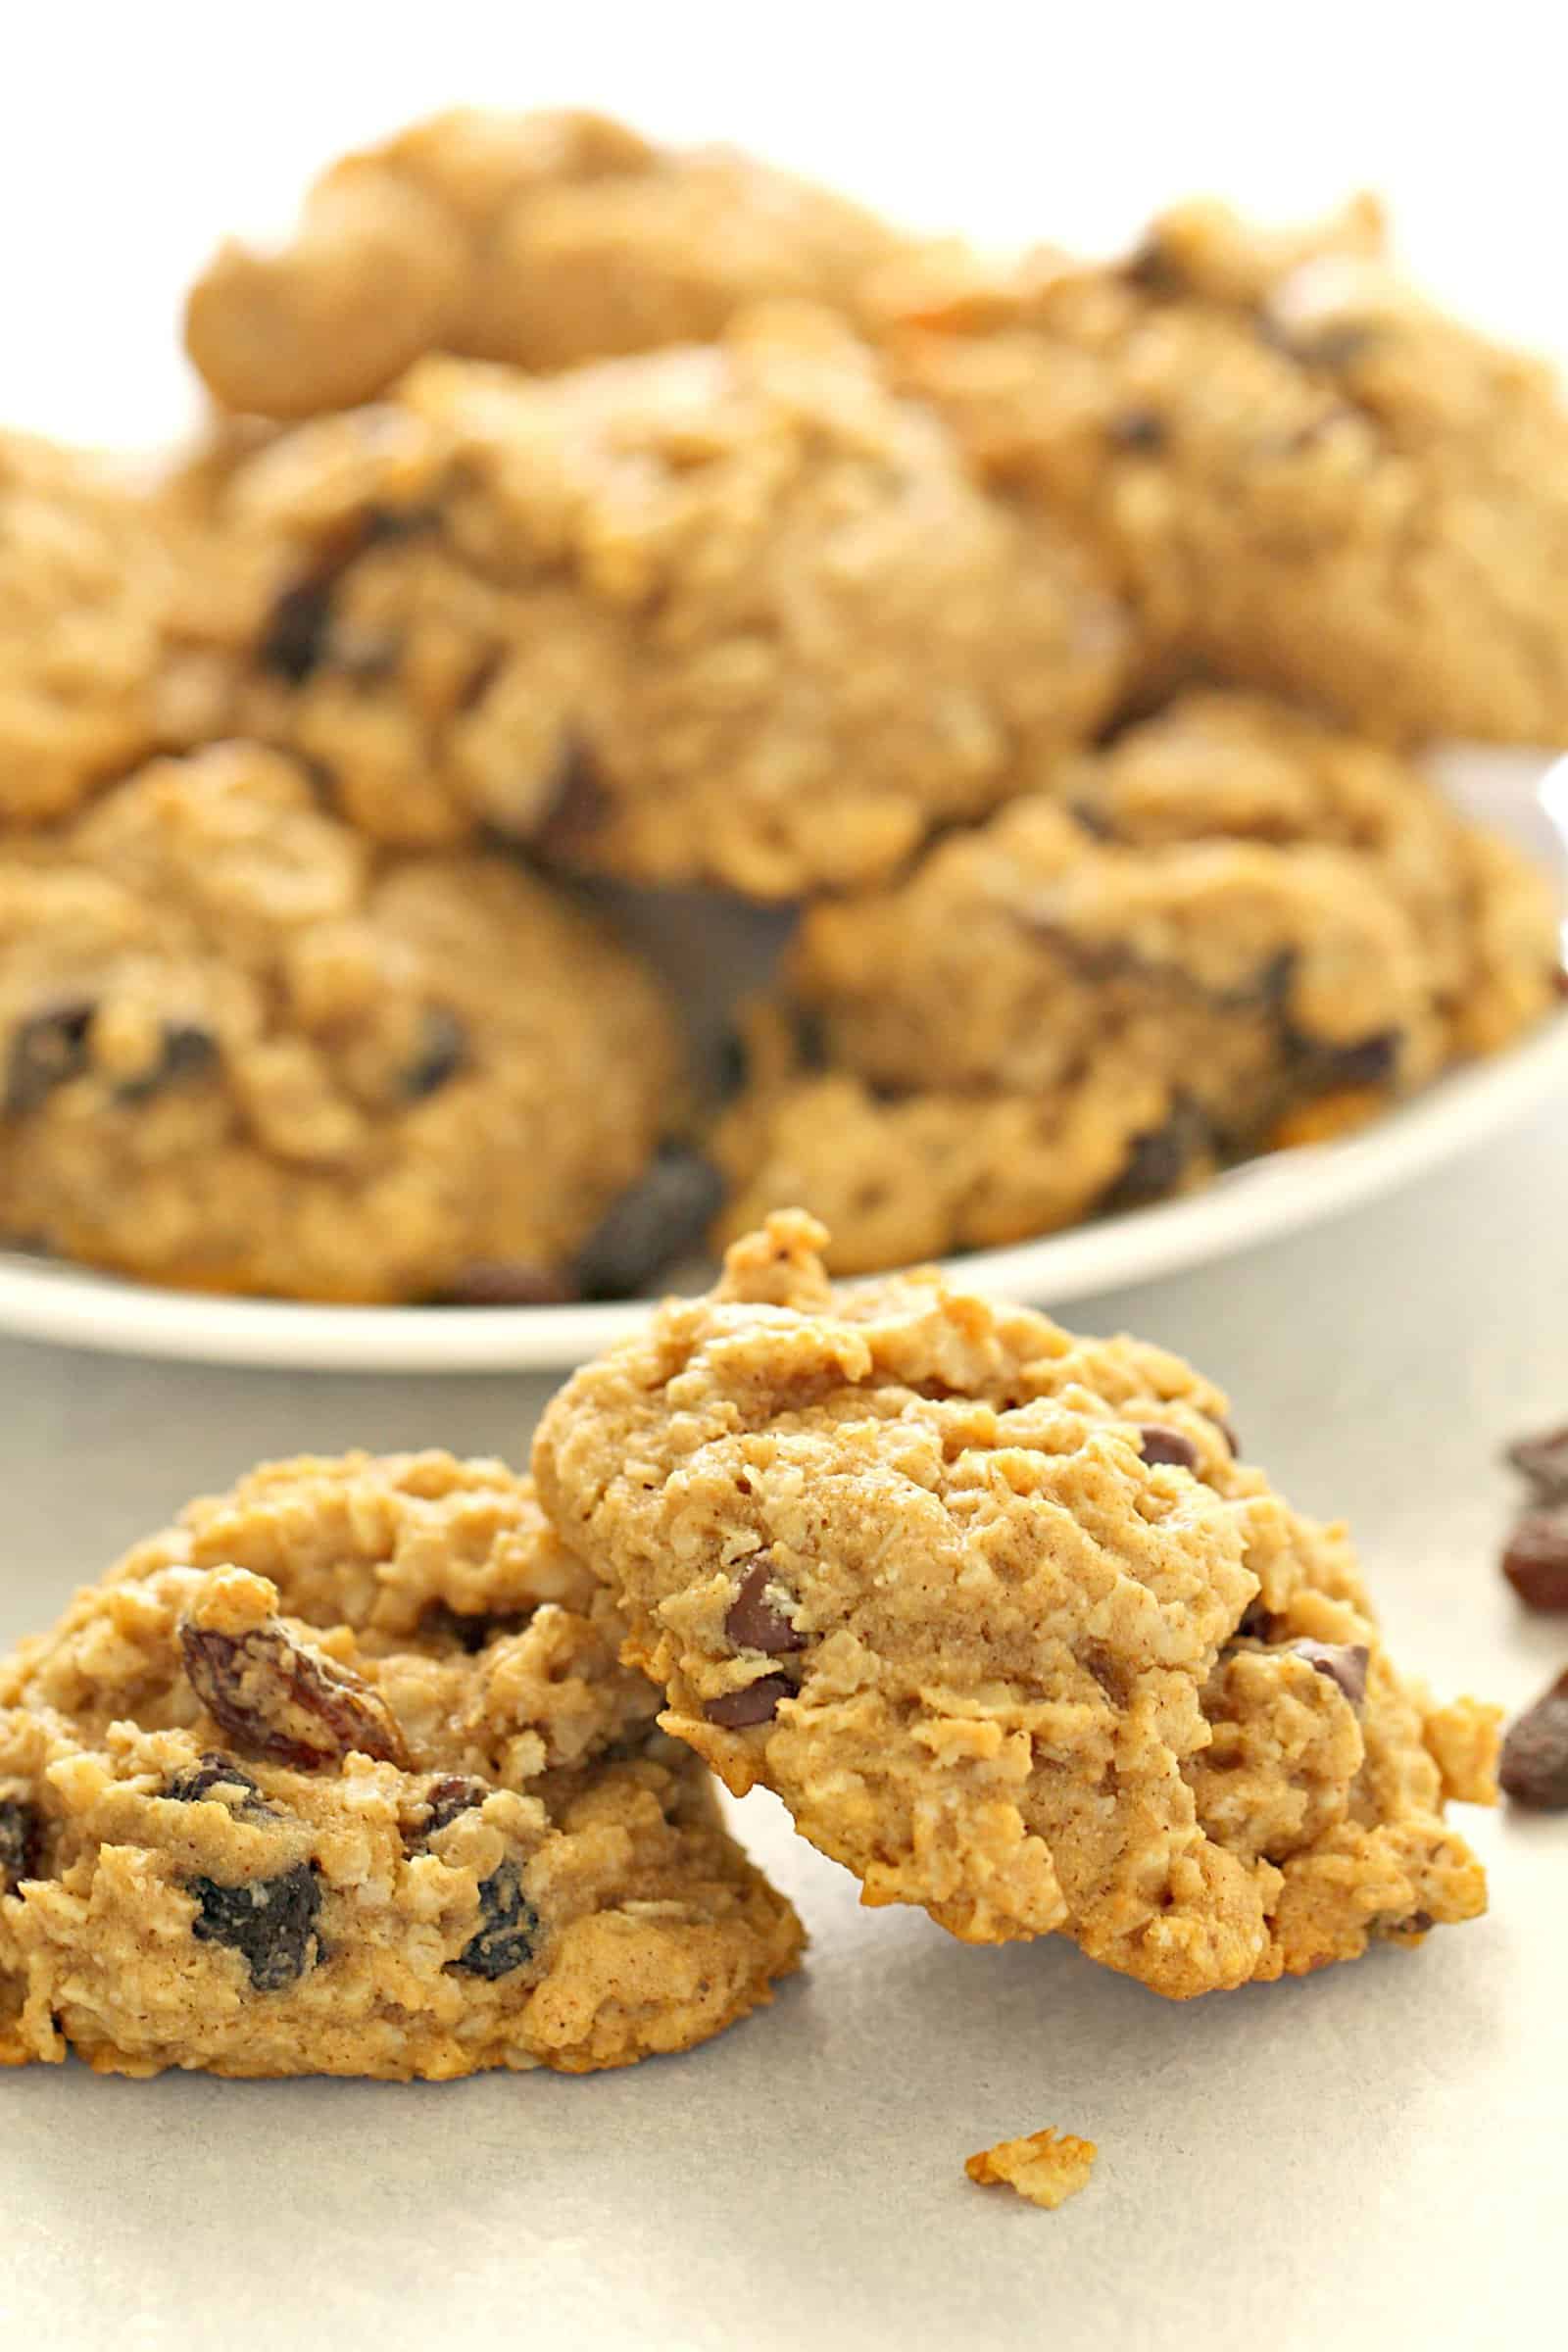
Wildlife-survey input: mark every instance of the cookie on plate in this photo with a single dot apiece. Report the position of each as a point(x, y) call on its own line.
point(1003, 1619)
point(1307, 476)
point(728, 613)
point(341, 1775)
point(1237, 927)
point(539, 239)
point(241, 1051)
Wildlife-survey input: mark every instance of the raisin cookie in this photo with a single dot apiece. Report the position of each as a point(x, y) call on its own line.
point(728, 613)
point(1236, 927)
point(340, 1775)
point(537, 239)
point(241, 1051)
point(1000, 1616)
point(1305, 476)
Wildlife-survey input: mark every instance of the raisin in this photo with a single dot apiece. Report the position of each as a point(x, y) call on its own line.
point(576, 805)
point(47, 1049)
point(754, 1623)
point(1168, 1445)
point(1343, 1663)
point(509, 1927)
point(1370, 1061)
point(509, 1282)
point(278, 1697)
point(1544, 1461)
point(443, 1049)
point(1535, 1560)
point(1535, 1754)
point(1160, 1158)
point(271, 1922)
point(208, 1782)
point(1141, 429)
point(455, 1792)
point(758, 1702)
point(473, 1630)
point(1255, 1623)
point(294, 641)
point(186, 1050)
point(667, 1212)
point(21, 1842)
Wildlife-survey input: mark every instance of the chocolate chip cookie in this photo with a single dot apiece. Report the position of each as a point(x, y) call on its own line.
point(728, 613)
point(1307, 477)
point(1002, 1618)
point(240, 1050)
point(538, 239)
point(1236, 927)
point(340, 1775)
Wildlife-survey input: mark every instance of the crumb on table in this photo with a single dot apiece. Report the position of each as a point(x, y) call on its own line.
point(1045, 2168)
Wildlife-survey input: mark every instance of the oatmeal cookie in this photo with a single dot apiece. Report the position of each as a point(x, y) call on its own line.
point(1003, 1619)
point(1307, 476)
point(727, 613)
point(538, 239)
point(340, 1775)
point(240, 1051)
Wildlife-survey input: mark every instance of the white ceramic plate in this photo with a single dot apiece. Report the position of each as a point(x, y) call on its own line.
point(1522, 793)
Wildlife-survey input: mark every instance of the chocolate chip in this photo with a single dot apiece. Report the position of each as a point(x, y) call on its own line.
point(21, 1842)
point(754, 1623)
point(47, 1049)
point(1137, 429)
point(294, 640)
point(1535, 1755)
point(271, 1922)
point(1344, 1663)
point(1370, 1061)
point(443, 1049)
point(282, 1697)
point(186, 1050)
point(1420, 1923)
point(1535, 1560)
point(651, 1224)
point(214, 1779)
point(1544, 1461)
point(759, 1703)
point(1160, 1158)
point(509, 1929)
point(509, 1282)
point(457, 1792)
point(1161, 1445)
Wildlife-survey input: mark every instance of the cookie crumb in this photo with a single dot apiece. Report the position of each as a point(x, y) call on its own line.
point(1045, 2168)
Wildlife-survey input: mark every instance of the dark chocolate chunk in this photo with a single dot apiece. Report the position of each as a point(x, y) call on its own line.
point(1544, 1461)
point(1535, 1754)
point(443, 1049)
point(509, 1927)
point(1535, 1560)
point(186, 1050)
point(294, 641)
point(215, 1779)
point(457, 1792)
point(1139, 429)
point(1344, 1663)
point(754, 1623)
point(509, 1282)
point(661, 1217)
point(1161, 1445)
point(271, 1922)
point(21, 1843)
point(1160, 1158)
point(281, 1698)
point(759, 1703)
point(47, 1049)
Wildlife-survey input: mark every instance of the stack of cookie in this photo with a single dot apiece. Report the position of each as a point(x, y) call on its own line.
point(1058, 636)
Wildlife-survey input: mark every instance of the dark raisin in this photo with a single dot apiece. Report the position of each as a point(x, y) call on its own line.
point(509, 1927)
point(271, 1922)
point(442, 1051)
point(667, 1213)
point(455, 1792)
point(21, 1842)
point(1255, 1622)
point(1154, 267)
point(1544, 1461)
point(211, 1780)
point(294, 641)
point(754, 1623)
point(1343, 1663)
point(1370, 1061)
point(1160, 1158)
point(731, 1066)
point(1161, 1445)
point(1227, 1431)
point(1139, 429)
point(1535, 1755)
point(473, 1630)
point(1535, 1560)
point(185, 1051)
point(576, 805)
point(47, 1049)
point(281, 1698)
point(759, 1703)
point(509, 1282)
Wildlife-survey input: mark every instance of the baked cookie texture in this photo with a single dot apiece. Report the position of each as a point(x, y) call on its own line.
point(340, 1775)
point(81, 591)
point(540, 239)
point(729, 614)
point(1046, 2167)
point(1236, 927)
point(1307, 476)
point(240, 1050)
point(1003, 1619)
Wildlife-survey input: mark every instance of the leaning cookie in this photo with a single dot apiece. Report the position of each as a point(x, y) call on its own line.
point(340, 1775)
point(1000, 1617)
point(240, 1051)
point(1305, 476)
point(727, 613)
point(538, 239)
